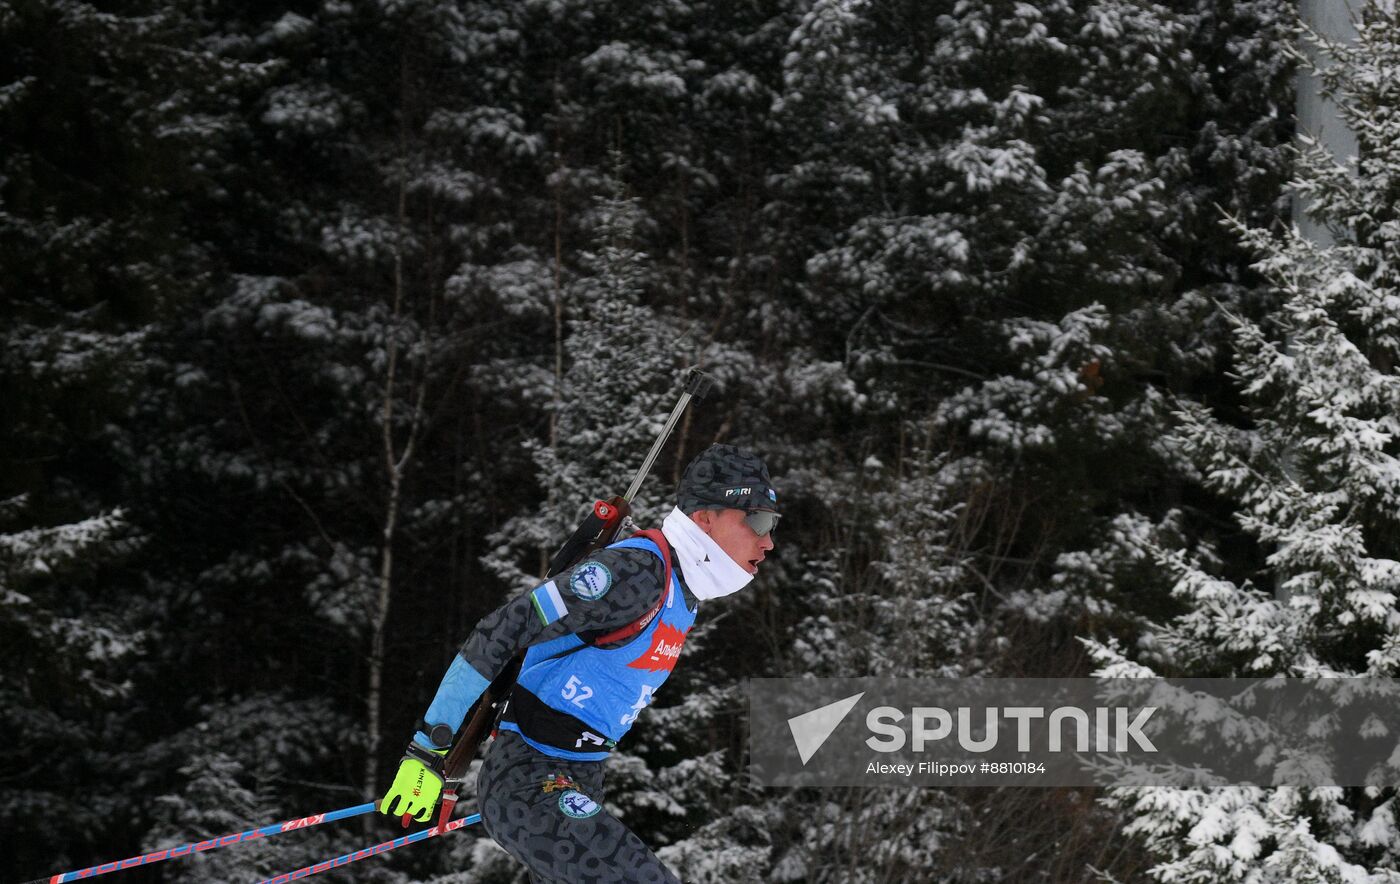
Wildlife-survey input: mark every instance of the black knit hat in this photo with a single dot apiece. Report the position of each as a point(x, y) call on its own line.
point(726, 477)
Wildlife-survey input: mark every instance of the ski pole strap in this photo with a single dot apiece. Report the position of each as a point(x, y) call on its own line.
point(376, 850)
point(202, 846)
point(432, 760)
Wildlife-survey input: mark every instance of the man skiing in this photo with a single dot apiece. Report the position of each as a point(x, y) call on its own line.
point(602, 637)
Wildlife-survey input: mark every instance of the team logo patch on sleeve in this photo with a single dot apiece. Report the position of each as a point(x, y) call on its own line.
point(591, 581)
point(578, 805)
point(549, 604)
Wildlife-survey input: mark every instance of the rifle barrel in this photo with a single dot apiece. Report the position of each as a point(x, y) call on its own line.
point(696, 385)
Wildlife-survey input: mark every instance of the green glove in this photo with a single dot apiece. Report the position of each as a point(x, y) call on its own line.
point(417, 786)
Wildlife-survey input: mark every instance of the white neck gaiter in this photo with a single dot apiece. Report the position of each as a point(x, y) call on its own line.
point(709, 571)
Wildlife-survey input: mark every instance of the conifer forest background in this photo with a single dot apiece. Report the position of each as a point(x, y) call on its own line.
point(324, 321)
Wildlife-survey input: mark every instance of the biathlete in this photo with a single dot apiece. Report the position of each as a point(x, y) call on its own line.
point(602, 637)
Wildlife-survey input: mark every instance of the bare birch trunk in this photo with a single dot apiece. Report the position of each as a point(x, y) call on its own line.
point(395, 464)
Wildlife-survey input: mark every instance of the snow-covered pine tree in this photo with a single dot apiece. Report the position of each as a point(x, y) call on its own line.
point(621, 373)
point(108, 118)
point(681, 92)
point(893, 595)
point(620, 369)
point(1311, 468)
point(316, 395)
point(995, 241)
point(68, 650)
point(843, 270)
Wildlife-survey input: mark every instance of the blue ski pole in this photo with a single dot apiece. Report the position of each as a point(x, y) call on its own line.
point(376, 850)
point(202, 846)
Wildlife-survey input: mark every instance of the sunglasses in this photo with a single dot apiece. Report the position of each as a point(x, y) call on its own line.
point(761, 522)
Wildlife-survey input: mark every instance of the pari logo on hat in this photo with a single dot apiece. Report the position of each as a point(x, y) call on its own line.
point(726, 477)
point(748, 492)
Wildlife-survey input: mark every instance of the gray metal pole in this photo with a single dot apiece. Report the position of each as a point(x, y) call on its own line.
point(1317, 115)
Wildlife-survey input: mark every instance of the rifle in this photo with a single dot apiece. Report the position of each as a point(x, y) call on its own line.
point(598, 529)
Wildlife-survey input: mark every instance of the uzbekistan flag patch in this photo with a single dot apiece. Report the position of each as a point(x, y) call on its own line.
point(548, 603)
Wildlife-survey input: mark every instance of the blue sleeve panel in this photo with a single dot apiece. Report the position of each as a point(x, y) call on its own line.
point(459, 689)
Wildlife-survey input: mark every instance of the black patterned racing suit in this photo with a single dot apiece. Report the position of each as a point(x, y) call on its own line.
point(546, 810)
